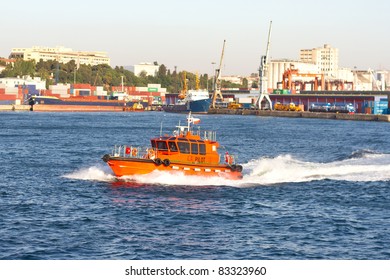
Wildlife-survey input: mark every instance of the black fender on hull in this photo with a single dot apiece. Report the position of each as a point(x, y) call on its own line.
point(106, 158)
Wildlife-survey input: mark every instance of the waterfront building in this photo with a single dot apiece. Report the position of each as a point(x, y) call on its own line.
point(150, 69)
point(326, 58)
point(61, 54)
point(232, 79)
point(25, 81)
point(277, 67)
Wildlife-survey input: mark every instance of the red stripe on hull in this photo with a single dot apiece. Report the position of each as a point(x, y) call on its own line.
point(130, 167)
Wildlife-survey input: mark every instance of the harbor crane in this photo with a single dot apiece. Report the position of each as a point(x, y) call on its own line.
point(263, 85)
point(218, 81)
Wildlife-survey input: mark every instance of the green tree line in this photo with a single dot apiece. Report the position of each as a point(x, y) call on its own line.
point(106, 76)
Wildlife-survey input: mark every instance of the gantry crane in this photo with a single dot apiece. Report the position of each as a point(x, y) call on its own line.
point(263, 85)
point(217, 84)
point(288, 75)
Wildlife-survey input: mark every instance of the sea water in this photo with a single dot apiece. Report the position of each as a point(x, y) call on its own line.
point(312, 189)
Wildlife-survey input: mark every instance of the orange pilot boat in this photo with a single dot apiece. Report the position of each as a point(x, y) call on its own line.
point(186, 151)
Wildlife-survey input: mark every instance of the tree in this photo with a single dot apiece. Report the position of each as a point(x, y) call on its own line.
point(20, 68)
point(162, 71)
point(104, 75)
point(245, 83)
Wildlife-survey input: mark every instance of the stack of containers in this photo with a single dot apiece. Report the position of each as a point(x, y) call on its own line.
point(60, 90)
point(9, 95)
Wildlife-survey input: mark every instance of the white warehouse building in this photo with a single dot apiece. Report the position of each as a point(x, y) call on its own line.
point(277, 67)
point(150, 69)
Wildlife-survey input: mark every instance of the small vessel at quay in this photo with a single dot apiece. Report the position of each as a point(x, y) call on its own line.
point(195, 101)
point(187, 151)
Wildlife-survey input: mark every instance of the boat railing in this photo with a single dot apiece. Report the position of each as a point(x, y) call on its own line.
point(126, 151)
point(210, 135)
point(131, 151)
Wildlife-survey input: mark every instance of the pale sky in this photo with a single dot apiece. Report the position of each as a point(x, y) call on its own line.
point(190, 34)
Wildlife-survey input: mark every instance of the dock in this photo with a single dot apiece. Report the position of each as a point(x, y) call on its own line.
point(224, 111)
point(302, 114)
point(14, 108)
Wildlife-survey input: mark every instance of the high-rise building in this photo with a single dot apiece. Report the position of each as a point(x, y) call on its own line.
point(326, 59)
point(60, 54)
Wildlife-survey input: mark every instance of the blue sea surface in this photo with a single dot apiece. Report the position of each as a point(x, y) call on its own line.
point(312, 189)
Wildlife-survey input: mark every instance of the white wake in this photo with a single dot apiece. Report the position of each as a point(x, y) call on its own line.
point(94, 173)
point(263, 171)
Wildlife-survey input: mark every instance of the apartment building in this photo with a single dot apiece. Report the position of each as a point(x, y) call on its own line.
point(326, 58)
point(61, 54)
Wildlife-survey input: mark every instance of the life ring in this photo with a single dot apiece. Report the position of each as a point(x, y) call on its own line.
point(151, 154)
point(134, 152)
point(166, 162)
point(158, 161)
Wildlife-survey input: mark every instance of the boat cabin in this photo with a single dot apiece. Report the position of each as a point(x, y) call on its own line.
point(186, 147)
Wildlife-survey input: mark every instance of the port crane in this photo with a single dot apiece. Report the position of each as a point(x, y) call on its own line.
point(218, 81)
point(288, 83)
point(263, 86)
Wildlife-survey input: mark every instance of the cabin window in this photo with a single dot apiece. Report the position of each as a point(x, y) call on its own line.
point(162, 145)
point(153, 144)
point(194, 148)
point(202, 149)
point(184, 147)
point(172, 146)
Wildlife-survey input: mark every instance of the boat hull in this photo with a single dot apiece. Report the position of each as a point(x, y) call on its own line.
point(135, 166)
point(196, 106)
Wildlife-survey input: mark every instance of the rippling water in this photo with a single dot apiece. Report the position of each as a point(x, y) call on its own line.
point(312, 189)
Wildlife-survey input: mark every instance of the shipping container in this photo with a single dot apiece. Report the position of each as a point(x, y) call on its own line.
point(244, 100)
point(376, 107)
point(154, 85)
point(141, 89)
point(8, 97)
point(10, 90)
point(83, 92)
point(81, 86)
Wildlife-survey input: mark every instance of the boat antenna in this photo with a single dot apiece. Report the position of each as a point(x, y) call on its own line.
point(161, 129)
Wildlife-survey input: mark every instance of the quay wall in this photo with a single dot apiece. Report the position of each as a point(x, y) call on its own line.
point(61, 108)
point(14, 108)
point(288, 114)
point(75, 108)
point(264, 113)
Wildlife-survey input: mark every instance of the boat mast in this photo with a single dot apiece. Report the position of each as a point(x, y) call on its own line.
point(263, 85)
point(217, 84)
